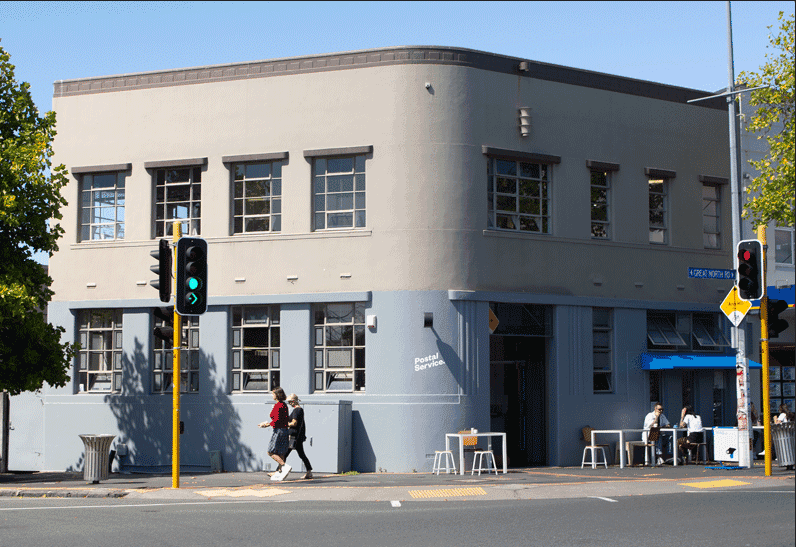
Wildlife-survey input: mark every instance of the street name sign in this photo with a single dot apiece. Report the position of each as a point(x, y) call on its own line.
point(734, 308)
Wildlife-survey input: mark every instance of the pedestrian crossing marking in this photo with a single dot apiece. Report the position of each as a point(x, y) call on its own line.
point(714, 484)
point(447, 492)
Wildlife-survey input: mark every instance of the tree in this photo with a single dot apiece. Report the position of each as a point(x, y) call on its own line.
point(772, 190)
point(31, 351)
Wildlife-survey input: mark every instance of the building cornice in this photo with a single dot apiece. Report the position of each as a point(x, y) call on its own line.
point(435, 55)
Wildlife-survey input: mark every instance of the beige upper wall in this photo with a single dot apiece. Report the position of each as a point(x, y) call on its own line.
point(426, 183)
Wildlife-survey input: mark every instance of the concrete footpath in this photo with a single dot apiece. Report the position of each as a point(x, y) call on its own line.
point(517, 484)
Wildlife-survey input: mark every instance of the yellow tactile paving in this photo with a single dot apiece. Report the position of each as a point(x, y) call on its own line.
point(447, 492)
point(714, 484)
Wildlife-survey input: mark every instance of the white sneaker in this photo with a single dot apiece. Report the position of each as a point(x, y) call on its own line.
point(660, 460)
point(285, 471)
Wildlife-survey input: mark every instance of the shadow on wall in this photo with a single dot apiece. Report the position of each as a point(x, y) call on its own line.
point(144, 422)
point(363, 459)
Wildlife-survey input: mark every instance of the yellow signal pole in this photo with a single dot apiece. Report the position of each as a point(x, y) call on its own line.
point(766, 410)
point(176, 381)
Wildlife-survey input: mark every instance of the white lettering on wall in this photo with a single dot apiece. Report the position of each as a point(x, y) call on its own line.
point(423, 363)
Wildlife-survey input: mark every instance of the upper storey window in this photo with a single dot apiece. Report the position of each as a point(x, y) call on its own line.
point(102, 206)
point(258, 197)
point(711, 216)
point(518, 195)
point(178, 196)
point(339, 192)
point(658, 181)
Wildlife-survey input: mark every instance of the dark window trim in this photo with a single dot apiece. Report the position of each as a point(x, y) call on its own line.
point(502, 153)
point(659, 173)
point(193, 162)
point(602, 165)
point(343, 151)
point(101, 168)
point(248, 158)
point(713, 180)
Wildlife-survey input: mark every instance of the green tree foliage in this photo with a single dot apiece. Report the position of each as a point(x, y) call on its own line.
point(31, 351)
point(773, 190)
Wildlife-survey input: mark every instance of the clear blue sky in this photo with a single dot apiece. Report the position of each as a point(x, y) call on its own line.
point(678, 43)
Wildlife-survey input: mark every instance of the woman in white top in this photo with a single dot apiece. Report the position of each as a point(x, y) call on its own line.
point(785, 415)
point(695, 432)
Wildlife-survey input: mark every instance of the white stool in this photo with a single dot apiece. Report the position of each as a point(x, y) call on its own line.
point(491, 464)
point(593, 450)
point(447, 455)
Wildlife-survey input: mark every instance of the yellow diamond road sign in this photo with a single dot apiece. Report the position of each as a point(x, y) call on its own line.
point(734, 308)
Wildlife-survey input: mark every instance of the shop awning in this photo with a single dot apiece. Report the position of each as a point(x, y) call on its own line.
point(662, 361)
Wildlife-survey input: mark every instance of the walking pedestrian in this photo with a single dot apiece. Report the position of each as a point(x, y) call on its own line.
point(278, 447)
point(298, 433)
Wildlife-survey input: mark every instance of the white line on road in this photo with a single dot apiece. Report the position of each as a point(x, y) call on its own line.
point(604, 499)
point(395, 503)
point(128, 505)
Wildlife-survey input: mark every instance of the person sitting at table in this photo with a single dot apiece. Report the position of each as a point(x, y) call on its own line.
point(695, 433)
point(656, 419)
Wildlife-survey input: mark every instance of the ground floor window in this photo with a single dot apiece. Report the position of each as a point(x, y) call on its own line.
point(339, 347)
point(255, 348)
point(602, 357)
point(100, 358)
point(163, 367)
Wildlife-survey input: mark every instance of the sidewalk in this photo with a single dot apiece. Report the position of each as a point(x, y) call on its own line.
point(525, 483)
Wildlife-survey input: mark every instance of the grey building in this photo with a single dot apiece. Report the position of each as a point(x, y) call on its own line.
point(365, 213)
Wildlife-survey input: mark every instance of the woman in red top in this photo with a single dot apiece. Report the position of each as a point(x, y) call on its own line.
point(278, 447)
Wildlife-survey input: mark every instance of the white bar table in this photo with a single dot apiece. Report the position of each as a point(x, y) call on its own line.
point(488, 435)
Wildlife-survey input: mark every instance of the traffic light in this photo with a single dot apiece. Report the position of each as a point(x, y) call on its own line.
point(775, 324)
point(163, 269)
point(750, 269)
point(166, 331)
point(191, 290)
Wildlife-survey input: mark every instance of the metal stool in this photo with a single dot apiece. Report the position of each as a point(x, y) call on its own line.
point(478, 456)
point(447, 455)
point(593, 450)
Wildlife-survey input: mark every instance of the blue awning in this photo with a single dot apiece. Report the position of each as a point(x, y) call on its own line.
point(663, 361)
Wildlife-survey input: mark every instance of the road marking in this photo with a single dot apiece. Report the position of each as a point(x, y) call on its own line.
point(395, 503)
point(604, 499)
point(714, 484)
point(127, 505)
point(447, 492)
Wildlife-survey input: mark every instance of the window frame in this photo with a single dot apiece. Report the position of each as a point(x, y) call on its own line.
point(604, 331)
point(706, 200)
point(543, 219)
point(87, 205)
point(684, 332)
point(323, 375)
point(606, 188)
point(358, 192)
point(272, 195)
point(87, 333)
point(162, 376)
point(777, 244)
point(163, 222)
point(238, 347)
point(662, 210)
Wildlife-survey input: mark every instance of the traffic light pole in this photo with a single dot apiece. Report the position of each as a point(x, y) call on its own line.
point(176, 381)
point(766, 410)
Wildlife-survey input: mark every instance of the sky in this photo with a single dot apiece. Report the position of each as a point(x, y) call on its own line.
point(676, 43)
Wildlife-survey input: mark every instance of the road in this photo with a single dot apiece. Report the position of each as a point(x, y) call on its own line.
point(723, 517)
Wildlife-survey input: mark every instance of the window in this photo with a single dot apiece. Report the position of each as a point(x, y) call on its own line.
point(602, 359)
point(711, 218)
point(102, 206)
point(163, 369)
point(258, 193)
point(339, 346)
point(100, 356)
point(658, 204)
point(783, 242)
point(518, 195)
point(685, 331)
point(178, 196)
point(600, 225)
point(255, 348)
point(339, 192)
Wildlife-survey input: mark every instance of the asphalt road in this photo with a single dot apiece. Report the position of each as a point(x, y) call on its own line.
point(720, 517)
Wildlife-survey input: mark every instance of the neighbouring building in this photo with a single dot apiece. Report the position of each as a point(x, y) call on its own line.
point(364, 213)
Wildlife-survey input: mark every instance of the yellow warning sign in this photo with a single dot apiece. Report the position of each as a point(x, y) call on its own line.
point(734, 308)
point(493, 321)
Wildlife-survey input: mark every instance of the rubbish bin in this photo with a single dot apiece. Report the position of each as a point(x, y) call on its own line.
point(783, 439)
point(95, 464)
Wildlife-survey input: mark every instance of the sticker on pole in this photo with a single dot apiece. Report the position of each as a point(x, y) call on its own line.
point(734, 307)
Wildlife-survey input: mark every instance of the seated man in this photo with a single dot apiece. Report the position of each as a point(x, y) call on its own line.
point(656, 419)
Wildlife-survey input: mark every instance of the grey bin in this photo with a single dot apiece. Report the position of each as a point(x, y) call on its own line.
point(782, 437)
point(95, 464)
